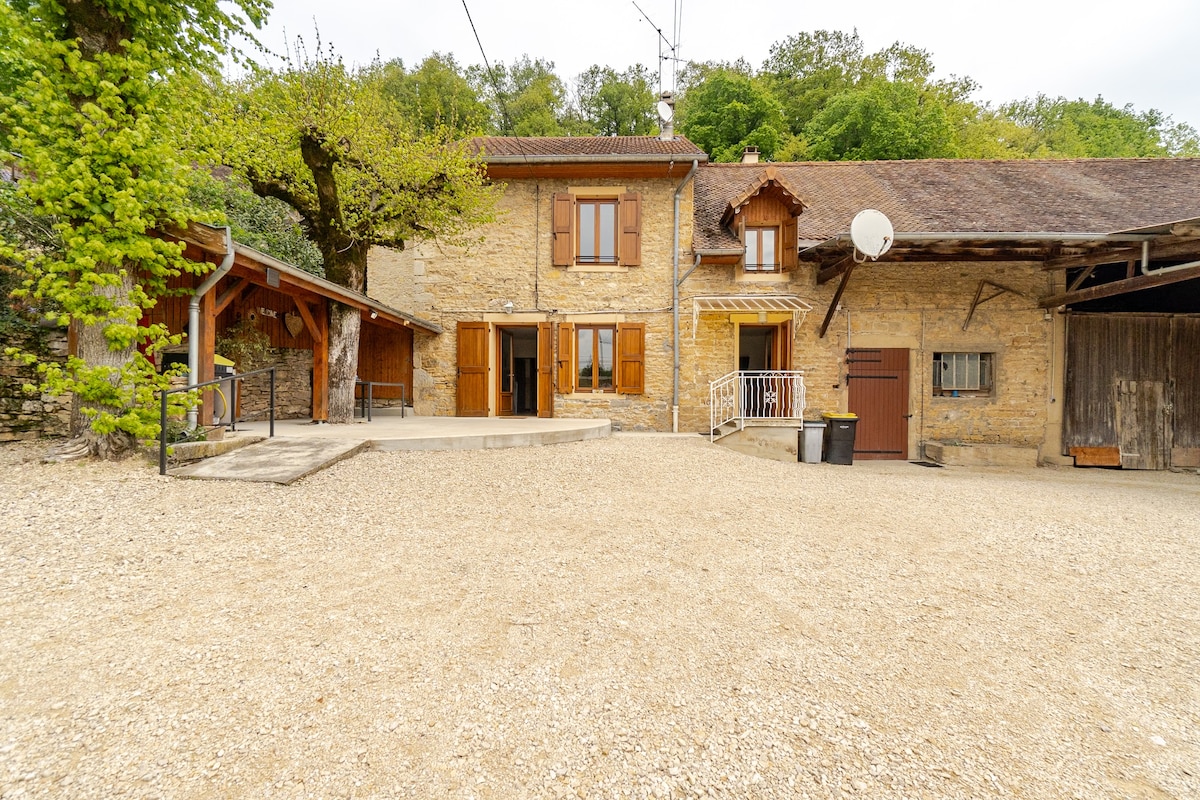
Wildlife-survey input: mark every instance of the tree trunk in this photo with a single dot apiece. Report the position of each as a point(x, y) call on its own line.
point(95, 351)
point(345, 326)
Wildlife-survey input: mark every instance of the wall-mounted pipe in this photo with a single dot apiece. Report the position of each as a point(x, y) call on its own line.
point(675, 281)
point(194, 319)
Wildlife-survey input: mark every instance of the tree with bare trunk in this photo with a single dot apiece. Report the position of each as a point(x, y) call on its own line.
point(328, 140)
point(88, 116)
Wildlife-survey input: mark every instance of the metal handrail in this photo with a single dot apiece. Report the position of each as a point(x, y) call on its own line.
point(756, 395)
point(368, 400)
point(162, 430)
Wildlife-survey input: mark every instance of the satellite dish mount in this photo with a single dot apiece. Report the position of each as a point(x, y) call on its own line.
point(872, 234)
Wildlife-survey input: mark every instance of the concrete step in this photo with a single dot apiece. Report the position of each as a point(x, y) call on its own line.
point(280, 460)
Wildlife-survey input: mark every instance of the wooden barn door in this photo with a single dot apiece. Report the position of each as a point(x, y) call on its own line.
point(879, 396)
point(1143, 424)
point(1185, 392)
point(472, 369)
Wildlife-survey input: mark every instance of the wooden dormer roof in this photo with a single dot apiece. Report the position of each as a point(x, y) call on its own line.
point(768, 177)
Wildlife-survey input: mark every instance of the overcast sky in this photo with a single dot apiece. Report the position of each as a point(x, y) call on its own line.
point(1144, 53)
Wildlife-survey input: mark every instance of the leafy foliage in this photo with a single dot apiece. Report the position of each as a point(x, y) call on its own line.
point(330, 142)
point(728, 112)
point(264, 223)
point(93, 122)
point(435, 96)
point(612, 103)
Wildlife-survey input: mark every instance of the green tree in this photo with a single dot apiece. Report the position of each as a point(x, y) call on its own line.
point(326, 140)
point(1098, 129)
point(436, 95)
point(615, 103)
point(882, 120)
point(728, 111)
point(527, 99)
point(93, 124)
point(805, 70)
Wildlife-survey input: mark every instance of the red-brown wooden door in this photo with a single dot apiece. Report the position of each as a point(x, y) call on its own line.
point(472, 369)
point(879, 396)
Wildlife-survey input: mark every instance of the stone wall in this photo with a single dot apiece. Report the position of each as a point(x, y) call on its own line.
point(919, 307)
point(26, 415)
point(293, 387)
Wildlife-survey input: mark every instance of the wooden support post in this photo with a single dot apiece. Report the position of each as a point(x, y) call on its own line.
point(320, 374)
point(837, 298)
point(208, 346)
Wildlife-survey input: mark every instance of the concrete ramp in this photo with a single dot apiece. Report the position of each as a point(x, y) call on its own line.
point(279, 460)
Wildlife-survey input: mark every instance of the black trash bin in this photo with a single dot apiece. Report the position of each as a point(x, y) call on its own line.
point(839, 437)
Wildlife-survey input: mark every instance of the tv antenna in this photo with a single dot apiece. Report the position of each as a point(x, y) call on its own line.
point(672, 45)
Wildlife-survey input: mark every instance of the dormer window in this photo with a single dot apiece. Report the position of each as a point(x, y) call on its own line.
point(762, 250)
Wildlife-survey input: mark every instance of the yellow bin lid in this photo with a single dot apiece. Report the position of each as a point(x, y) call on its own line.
point(839, 416)
point(221, 361)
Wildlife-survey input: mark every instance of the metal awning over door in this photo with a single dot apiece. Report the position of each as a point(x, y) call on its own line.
point(749, 304)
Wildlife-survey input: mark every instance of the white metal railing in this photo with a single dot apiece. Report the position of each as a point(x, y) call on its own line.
point(755, 395)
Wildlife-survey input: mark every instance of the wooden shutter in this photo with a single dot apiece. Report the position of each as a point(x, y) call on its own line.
point(631, 358)
point(472, 369)
point(789, 258)
point(545, 364)
point(630, 246)
point(562, 225)
point(566, 351)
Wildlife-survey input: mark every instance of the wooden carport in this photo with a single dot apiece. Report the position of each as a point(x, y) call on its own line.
point(294, 307)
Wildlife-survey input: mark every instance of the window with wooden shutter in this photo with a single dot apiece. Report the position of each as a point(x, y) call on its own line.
point(566, 349)
point(631, 229)
point(789, 257)
point(631, 358)
point(563, 217)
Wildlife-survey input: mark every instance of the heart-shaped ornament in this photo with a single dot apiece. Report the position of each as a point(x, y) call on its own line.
point(293, 323)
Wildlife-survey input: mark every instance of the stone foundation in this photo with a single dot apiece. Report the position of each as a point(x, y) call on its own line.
point(980, 455)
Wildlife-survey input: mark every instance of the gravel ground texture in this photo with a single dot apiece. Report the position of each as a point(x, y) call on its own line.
point(641, 616)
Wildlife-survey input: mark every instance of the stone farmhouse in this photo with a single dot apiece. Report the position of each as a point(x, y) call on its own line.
point(1026, 310)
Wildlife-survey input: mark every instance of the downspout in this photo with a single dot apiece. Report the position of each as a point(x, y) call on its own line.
point(194, 320)
point(675, 281)
point(1146, 263)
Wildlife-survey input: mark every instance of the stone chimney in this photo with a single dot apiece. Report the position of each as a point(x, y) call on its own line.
point(666, 116)
point(750, 155)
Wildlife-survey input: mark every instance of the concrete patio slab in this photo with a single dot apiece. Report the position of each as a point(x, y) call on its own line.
point(278, 460)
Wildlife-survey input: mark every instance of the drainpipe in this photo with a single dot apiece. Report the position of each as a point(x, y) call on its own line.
point(1146, 263)
point(194, 320)
point(675, 281)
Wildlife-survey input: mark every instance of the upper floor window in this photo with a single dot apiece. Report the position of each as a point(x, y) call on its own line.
point(962, 374)
point(605, 229)
point(762, 249)
point(597, 237)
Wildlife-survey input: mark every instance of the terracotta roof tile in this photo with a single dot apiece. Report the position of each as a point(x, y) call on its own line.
point(586, 147)
point(1090, 195)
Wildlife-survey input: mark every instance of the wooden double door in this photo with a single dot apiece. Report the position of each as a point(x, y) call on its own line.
point(517, 359)
point(878, 379)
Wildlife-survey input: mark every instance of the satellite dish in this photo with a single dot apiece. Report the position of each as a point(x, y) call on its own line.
point(872, 233)
point(665, 112)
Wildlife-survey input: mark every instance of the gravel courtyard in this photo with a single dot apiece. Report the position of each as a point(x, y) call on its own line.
point(640, 616)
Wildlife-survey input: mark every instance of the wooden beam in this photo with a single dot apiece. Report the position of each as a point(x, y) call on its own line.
point(828, 273)
point(314, 329)
point(1081, 277)
point(1120, 287)
point(837, 298)
point(320, 378)
point(1159, 249)
point(229, 295)
point(211, 240)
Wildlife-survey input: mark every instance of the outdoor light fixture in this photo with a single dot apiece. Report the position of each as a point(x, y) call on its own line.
point(374, 315)
point(508, 306)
